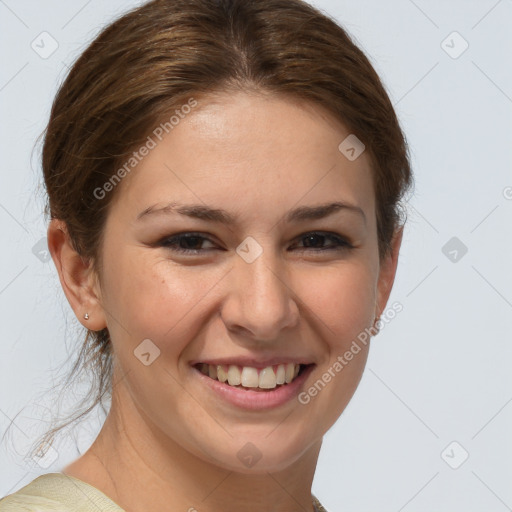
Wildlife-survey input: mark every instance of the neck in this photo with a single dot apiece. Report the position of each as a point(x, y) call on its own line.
point(140, 468)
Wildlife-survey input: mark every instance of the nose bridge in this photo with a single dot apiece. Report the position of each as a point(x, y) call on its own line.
point(264, 275)
point(260, 300)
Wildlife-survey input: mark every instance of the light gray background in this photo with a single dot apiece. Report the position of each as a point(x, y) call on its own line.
point(438, 373)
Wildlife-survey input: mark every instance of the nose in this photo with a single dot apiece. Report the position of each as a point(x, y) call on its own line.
point(260, 303)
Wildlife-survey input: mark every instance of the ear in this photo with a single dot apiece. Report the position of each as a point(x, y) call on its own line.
point(387, 273)
point(78, 280)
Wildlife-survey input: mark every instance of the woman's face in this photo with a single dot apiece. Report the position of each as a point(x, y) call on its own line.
point(274, 286)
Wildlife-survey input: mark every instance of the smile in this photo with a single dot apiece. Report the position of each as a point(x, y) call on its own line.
point(248, 377)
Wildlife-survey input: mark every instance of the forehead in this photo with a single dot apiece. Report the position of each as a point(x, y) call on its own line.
point(251, 151)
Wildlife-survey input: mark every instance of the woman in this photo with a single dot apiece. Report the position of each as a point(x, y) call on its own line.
point(224, 182)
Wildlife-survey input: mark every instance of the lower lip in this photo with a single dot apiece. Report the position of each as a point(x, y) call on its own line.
point(256, 400)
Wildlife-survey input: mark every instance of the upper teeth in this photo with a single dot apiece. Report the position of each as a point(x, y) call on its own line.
point(249, 377)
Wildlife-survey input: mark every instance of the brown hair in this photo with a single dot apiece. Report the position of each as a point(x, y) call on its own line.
point(153, 59)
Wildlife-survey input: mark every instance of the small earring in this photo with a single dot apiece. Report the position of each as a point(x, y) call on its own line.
point(86, 316)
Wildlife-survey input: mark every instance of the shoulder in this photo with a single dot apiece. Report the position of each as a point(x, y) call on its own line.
point(37, 496)
point(57, 492)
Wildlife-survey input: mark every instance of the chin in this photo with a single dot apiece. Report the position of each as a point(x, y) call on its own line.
point(258, 454)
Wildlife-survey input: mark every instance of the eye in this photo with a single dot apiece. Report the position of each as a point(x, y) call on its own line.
point(185, 243)
point(318, 238)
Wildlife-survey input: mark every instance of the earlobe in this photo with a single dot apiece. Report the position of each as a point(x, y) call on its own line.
point(387, 272)
point(76, 277)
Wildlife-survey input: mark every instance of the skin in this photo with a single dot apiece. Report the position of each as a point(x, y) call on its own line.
point(167, 439)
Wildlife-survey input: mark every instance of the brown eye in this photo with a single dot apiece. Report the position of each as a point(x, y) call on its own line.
point(186, 243)
point(316, 240)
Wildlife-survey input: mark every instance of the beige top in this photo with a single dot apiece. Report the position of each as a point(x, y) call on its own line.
point(57, 492)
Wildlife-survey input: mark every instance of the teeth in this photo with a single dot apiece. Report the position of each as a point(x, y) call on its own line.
point(267, 378)
point(234, 377)
point(222, 375)
point(280, 375)
point(290, 372)
point(249, 377)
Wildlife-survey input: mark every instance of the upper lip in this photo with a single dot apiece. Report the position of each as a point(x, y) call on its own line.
point(253, 361)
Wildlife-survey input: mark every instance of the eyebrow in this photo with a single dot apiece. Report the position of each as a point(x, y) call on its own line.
point(202, 212)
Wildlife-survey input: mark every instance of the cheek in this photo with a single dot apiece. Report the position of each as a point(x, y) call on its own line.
point(343, 303)
point(152, 297)
point(341, 298)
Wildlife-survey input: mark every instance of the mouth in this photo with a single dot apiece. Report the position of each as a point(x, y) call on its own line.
point(251, 378)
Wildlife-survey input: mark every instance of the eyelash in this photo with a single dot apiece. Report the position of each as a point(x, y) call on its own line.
point(172, 242)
